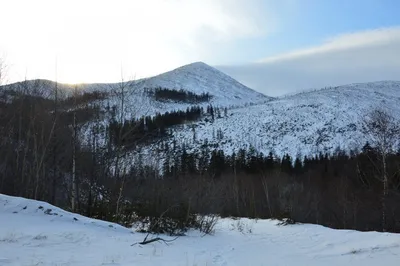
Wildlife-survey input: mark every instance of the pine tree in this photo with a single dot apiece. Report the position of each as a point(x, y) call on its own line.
point(286, 164)
point(298, 166)
point(212, 113)
point(194, 134)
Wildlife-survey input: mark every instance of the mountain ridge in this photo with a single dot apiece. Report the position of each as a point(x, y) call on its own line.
point(304, 124)
point(196, 78)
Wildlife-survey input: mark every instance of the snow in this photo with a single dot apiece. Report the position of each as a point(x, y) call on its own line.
point(196, 77)
point(301, 124)
point(201, 78)
point(28, 236)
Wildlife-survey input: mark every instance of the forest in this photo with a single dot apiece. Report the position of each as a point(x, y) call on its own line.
point(132, 132)
point(183, 96)
point(44, 158)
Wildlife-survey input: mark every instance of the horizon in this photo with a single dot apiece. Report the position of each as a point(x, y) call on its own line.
point(273, 47)
point(305, 90)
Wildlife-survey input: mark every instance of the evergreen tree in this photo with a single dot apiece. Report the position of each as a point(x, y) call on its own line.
point(286, 164)
point(298, 166)
point(212, 112)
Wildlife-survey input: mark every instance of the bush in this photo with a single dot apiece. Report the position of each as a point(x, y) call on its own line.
point(175, 221)
point(287, 221)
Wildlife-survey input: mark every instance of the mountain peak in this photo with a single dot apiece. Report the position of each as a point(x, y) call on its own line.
point(198, 77)
point(197, 66)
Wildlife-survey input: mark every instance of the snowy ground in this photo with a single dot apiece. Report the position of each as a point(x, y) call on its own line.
point(30, 234)
point(303, 124)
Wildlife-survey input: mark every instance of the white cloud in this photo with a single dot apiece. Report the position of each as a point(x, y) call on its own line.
point(349, 58)
point(92, 38)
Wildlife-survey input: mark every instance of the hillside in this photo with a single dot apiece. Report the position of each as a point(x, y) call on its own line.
point(196, 78)
point(37, 233)
point(301, 124)
point(200, 78)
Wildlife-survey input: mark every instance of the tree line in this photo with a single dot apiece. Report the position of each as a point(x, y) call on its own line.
point(131, 133)
point(165, 94)
point(341, 190)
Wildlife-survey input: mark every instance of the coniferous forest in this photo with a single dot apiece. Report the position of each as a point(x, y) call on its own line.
point(165, 94)
point(44, 158)
point(134, 131)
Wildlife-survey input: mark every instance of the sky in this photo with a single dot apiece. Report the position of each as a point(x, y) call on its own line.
point(273, 46)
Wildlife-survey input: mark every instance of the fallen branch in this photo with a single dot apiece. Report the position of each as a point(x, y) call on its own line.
point(145, 242)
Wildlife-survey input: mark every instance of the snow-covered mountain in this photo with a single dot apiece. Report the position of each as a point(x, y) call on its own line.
point(198, 78)
point(201, 78)
point(40, 87)
point(301, 124)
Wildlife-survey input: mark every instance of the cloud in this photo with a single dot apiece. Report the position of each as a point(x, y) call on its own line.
point(356, 57)
point(91, 39)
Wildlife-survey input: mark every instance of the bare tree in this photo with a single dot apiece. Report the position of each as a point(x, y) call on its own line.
point(383, 131)
point(126, 95)
point(74, 143)
point(54, 141)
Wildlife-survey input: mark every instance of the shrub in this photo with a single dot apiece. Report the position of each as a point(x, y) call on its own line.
point(175, 221)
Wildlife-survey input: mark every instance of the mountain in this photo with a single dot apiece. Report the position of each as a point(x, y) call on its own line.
point(301, 124)
point(40, 87)
point(201, 78)
point(196, 78)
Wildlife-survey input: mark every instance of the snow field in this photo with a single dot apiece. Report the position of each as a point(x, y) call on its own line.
point(30, 235)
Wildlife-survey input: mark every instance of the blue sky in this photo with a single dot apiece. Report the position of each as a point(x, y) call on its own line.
point(262, 43)
point(313, 21)
point(323, 43)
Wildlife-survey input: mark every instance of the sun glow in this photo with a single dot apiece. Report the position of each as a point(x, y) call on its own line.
point(74, 42)
point(92, 40)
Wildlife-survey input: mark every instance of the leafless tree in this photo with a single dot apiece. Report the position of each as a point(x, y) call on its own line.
point(382, 130)
point(126, 94)
point(74, 144)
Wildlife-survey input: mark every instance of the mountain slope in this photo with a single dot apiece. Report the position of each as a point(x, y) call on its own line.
point(30, 234)
point(197, 78)
point(200, 78)
point(301, 124)
point(40, 87)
